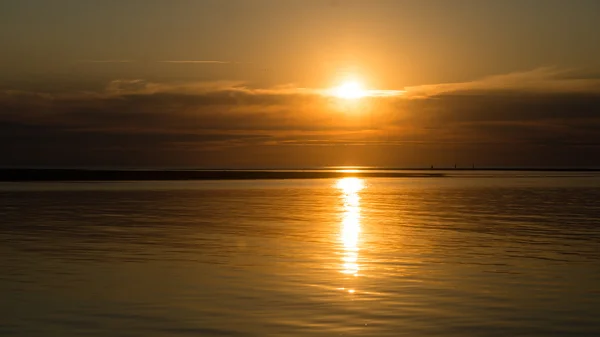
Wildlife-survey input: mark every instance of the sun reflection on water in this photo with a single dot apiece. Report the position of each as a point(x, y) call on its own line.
point(350, 223)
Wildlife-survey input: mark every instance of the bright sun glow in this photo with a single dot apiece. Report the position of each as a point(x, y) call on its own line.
point(350, 90)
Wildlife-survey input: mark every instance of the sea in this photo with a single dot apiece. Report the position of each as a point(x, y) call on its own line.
point(465, 254)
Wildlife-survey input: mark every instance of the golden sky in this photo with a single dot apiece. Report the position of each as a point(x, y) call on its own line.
point(257, 83)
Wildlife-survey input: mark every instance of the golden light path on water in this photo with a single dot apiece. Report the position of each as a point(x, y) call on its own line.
point(350, 227)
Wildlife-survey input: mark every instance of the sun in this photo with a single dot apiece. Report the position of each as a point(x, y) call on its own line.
point(350, 90)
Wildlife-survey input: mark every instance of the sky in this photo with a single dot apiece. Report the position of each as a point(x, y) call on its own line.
point(252, 83)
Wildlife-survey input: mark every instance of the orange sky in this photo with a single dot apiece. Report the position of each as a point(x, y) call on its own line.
point(253, 83)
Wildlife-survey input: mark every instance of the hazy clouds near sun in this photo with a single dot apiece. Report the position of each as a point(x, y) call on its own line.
point(191, 123)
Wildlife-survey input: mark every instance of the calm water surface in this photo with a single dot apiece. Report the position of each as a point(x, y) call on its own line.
point(456, 256)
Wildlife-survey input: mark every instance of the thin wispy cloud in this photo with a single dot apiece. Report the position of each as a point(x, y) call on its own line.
point(545, 80)
point(200, 62)
point(105, 61)
point(166, 61)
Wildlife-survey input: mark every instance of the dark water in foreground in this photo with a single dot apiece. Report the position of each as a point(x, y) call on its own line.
point(456, 256)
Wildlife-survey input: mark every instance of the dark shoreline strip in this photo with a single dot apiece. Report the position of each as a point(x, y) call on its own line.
point(13, 175)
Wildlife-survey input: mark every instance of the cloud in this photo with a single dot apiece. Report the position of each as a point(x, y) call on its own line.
point(105, 61)
point(540, 94)
point(547, 116)
point(200, 62)
point(546, 80)
point(166, 61)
